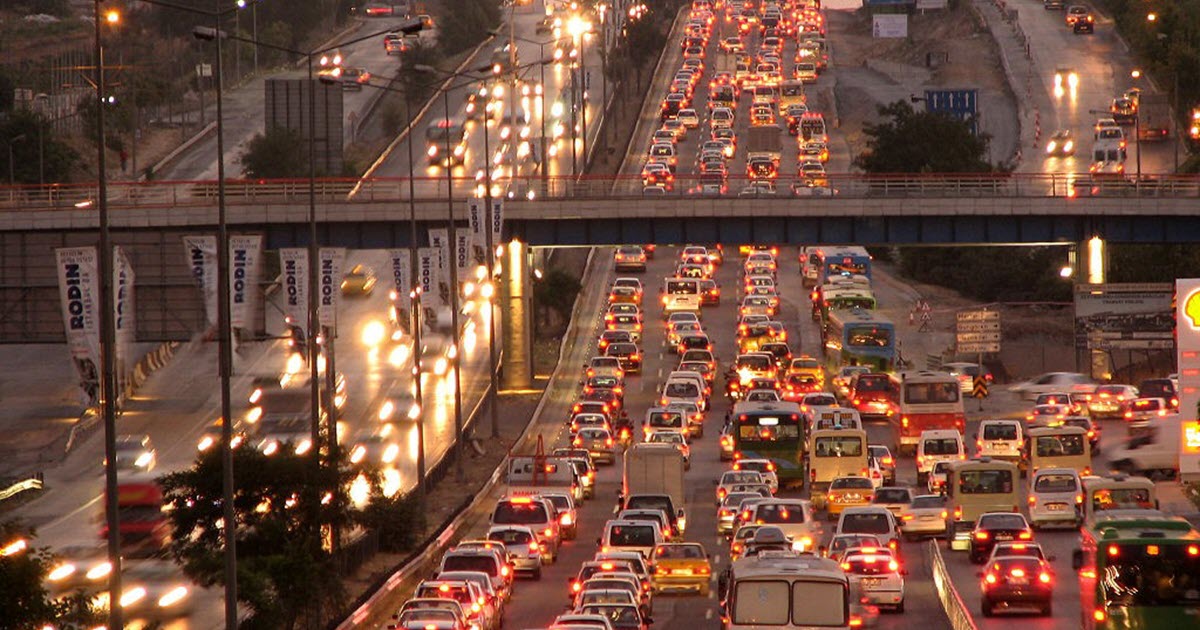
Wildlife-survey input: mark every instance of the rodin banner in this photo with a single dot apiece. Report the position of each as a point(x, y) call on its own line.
point(439, 239)
point(245, 254)
point(202, 260)
point(79, 287)
point(329, 284)
point(427, 277)
point(462, 256)
point(401, 272)
point(475, 225)
point(123, 314)
point(497, 222)
point(293, 267)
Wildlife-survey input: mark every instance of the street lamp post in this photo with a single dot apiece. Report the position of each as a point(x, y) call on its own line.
point(108, 381)
point(15, 139)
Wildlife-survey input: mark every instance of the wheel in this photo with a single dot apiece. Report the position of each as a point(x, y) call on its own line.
point(704, 590)
point(1048, 608)
point(985, 607)
point(900, 607)
point(537, 573)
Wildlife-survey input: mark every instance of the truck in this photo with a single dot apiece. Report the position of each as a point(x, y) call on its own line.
point(653, 475)
point(144, 528)
point(1154, 117)
point(764, 141)
point(1153, 451)
point(531, 475)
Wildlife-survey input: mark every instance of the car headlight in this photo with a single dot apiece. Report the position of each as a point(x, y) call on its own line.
point(172, 597)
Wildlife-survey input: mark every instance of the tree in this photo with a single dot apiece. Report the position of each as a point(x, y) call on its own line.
point(280, 152)
point(556, 292)
point(23, 596)
point(922, 142)
point(285, 506)
point(991, 274)
point(462, 25)
point(57, 158)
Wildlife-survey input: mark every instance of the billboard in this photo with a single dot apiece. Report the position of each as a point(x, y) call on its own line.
point(1188, 362)
point(79, 288)
point(889, 26)
point(1135, 316)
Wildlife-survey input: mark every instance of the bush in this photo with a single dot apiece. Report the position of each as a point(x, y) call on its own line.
point(280, 152)
point(399, 519)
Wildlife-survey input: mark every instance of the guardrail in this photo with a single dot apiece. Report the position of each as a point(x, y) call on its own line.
point(956, 610)
point(536, 188)
point(15, 487)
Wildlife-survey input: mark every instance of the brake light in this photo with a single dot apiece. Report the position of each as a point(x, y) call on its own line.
point(576, 586)
point(1032, 500)
point(958, 512)
point(1044, 578)
point(548, 531)
point(533, 546)
point(981, 535)
point(504, 571)
point(566, 520)
point(1025, 536)
point(990, 578)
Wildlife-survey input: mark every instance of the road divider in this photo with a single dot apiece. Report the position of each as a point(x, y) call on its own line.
point(956, 610)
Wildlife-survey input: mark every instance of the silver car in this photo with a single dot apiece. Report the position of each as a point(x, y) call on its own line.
point(925, 516)
point(522, 546)
point(135, 453)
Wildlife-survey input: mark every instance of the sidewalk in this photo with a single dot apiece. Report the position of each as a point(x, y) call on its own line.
point(1019, 68)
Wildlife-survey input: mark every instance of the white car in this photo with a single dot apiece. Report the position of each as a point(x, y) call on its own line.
point(732, 478)
point(878, 575)
point(524, 552)
point(870, 519)
point(938, 445)
point(689, 118)
point(925, 516)
point(1000, 439)
point(1055, 496)
point(764, 467)
point(1071, 382)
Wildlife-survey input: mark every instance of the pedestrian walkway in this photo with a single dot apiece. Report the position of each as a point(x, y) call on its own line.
point(1019, 67)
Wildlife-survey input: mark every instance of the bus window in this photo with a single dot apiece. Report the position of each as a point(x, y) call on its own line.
point(838, 446)
point(1060, 445)
point(985, 482)
point(765, 429)
point(923, 393)
point(818, 604)
point(1122, 499)
point(763, 602)
point(868, 336)
point(1152, 575)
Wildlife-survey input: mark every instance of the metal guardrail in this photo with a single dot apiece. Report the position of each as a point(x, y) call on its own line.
point(537, 188)
point(32, 482)
point(956, 610)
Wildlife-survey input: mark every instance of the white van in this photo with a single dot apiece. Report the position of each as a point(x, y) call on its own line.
point(1000, 439)
point(682, 390)
point(1055, 496)
point(1153, 452)
point(639, 536)
point(938, 445)
point(695, 377)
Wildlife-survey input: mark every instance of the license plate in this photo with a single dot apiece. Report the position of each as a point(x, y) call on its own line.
point(999, 445)
point(680, 572)
point(1004, 536)
point(1018, 581)
point(928, 517)
point(870, 583)
point(1056, 507)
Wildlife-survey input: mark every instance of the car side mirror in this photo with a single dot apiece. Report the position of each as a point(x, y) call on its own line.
point(679, 513)
point(1077, 559)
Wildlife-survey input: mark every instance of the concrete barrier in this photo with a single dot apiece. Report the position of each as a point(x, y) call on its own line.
point(956, 610)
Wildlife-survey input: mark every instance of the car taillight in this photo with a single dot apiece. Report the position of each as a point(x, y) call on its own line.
point(576, 586)
point(1025, 536)
point(958, 512)
point(990, 578)
point(566, 520)
point(504, 571)
point(981, 535)
point(533, 546)
point(1044, 578)
point(548, 531)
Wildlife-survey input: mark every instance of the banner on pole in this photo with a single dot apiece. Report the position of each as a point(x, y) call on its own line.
point(245, 255)
point(202, 260)
point(293, 266)
point(462, 256)
point(439, 239)
point(476, 224)
point(497, 222)
point(79, 288)
point(427, 277)
point(401, 272)
point(330, 282)
point(123, 315)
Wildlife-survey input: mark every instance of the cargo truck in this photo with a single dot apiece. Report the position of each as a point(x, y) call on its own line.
point(1154, 117)
point(764, 142)
point(143, 527)
point(653, 478)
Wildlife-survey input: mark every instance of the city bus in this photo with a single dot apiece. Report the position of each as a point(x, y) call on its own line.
point(774, 431)
point(928, 400)
point(859, 337)
point(786, 590)
point(836, 452)
point(842, 296)
point(1138, 571)
point(975, 487)
point(842, 261)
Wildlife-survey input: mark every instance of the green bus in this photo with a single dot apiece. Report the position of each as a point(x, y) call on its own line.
point(1138, 570)
point(774, 431)
point(859, 337)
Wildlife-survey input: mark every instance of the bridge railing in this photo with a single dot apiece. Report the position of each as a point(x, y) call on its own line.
point(535, 188)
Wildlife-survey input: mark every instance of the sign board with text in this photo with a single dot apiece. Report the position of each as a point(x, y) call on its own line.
point(1187, 325)
point(977, 332)
point(1127, 316)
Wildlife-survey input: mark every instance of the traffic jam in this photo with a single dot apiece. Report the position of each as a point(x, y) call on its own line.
point(742, 84)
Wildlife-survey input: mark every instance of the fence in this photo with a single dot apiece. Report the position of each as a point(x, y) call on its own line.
point(955, 609)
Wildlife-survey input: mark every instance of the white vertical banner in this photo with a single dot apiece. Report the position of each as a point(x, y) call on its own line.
point(123, 314)
point(462, 257)
point(439, 239)
point(401, 272)
point(476, 224)
point(1187, 349)
point(497, 222)
point(202, 260)
point(79, 288)
point(329, 284)
point(293, 268)
point(427, 277)
point(245, 253)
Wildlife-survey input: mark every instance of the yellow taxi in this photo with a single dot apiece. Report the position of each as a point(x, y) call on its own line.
point(625, 295)
point(680, 567)
point(805, 365)
point(752, 337)
point(851, 491)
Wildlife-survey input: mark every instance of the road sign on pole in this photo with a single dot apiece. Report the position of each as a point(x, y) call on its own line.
point(977, 332)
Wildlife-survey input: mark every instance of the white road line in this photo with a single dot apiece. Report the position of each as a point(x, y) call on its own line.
point(707, 613)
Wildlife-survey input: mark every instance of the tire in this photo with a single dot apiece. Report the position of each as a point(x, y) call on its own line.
point(537, 574)
point(1048, 608)
point(900, 607)
point(704, 590)
point(985, 607)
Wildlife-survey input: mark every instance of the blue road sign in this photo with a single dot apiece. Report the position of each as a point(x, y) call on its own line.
point(960, 104)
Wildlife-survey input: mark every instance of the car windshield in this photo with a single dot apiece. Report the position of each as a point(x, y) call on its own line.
point(892, 495)
point(617, 615)
point(1001, 521)
point(487, 564)
point(631, 536)
point(941, 446)
point(510, 537)
point(851, 483)
point(679, 552)
point(927, 393)
point(866, 523)
point(1055, 482)
point(510, 513)
point(681, 390)
point(929, 502)
point(996, 431)
point(776, 513)
point(839, 446)
point(426, 615)
point(1060, 445)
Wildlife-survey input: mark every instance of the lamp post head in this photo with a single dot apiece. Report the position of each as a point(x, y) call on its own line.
point(112, 16)
point(207, 33)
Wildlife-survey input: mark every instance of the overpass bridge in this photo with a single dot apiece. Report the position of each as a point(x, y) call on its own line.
point(149, 219)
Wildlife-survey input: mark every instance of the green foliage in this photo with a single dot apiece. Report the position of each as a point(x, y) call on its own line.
point(1128, 262)
point(922, 142)
point(463, 24)
point(556, 292)
point(58, 158)
point(418, 86)
point(399, 519)
point(991, 274)
point(57, 8)
point(24, 600)
point(280, 152)
point(284, 573)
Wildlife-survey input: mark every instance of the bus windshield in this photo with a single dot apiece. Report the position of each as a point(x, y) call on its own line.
point(868, 336)
point(767, 429)
point(1122, 499)
point(928, 393)
point(855, 301)
point(839, 446)
point(1059, 445)
point(985, 482)
point(1157, 574)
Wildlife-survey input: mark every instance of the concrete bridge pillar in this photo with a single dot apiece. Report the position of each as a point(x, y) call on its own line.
point(1094, 265)
point(515, 300)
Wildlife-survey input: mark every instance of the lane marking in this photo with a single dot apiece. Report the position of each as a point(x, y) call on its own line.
point(708, 613)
